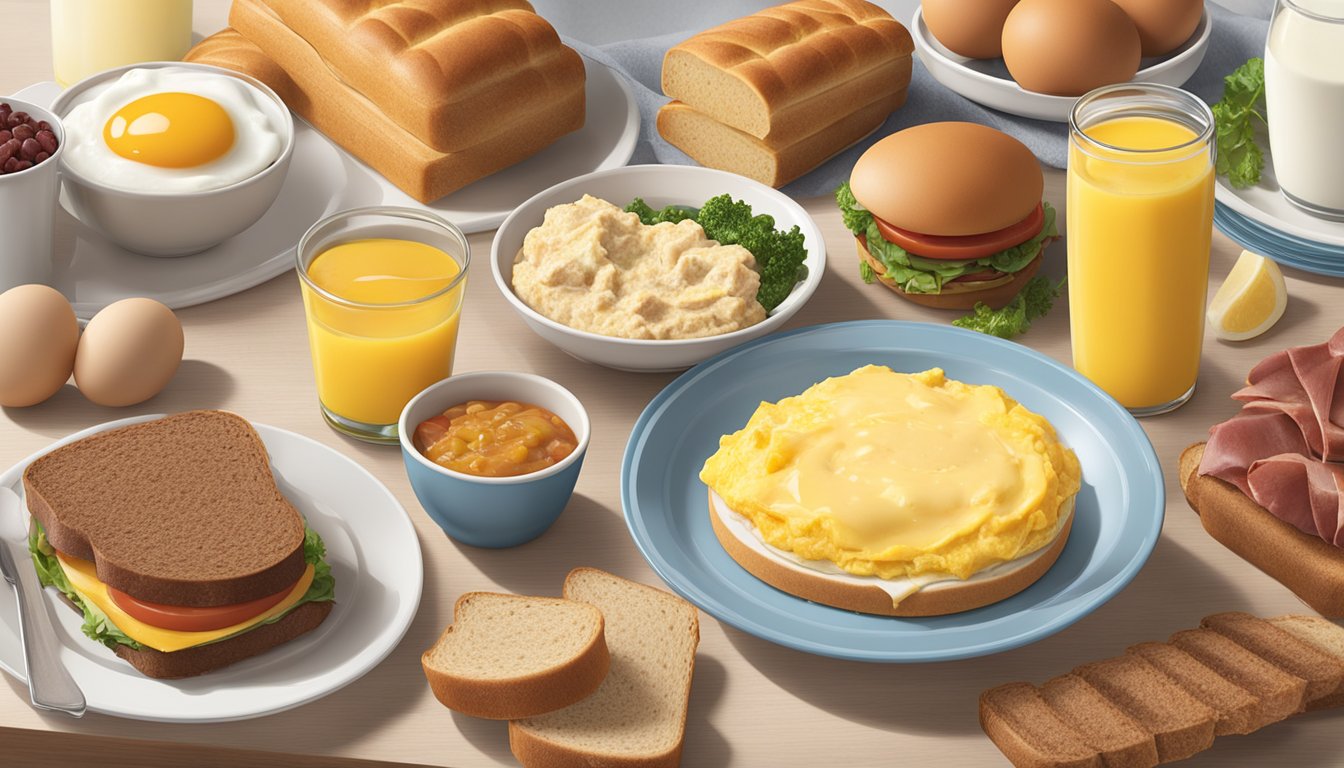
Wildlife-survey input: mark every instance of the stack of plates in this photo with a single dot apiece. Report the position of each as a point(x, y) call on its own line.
point(1262, 220)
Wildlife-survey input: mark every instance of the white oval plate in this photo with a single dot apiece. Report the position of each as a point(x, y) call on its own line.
point(374, 556)
point(987, 82)
point(1265, 205)
point(322, 180)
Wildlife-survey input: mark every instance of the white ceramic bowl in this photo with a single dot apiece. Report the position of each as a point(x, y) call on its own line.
point(987, 82)
point(659, 185)
point(174, 223)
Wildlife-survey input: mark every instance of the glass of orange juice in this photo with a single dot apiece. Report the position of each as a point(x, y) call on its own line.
point(1140, 222)
point(382, 293)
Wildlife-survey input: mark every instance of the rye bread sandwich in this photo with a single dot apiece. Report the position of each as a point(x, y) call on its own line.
point(949, 215)
point(173, 540)
point(1269, 483)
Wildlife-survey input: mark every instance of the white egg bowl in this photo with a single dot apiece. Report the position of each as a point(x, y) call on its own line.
point(987, 82)
point(659, 186)
point(158, 223)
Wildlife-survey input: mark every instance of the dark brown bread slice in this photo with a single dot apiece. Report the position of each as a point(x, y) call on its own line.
point(1280, 694)
point(182, 510)
point(1323, 672)
point(1238, 711)
point(1121, 742)
point(1326, 636)
point(1181, 725)
point(1028, 731)
point(200, 659)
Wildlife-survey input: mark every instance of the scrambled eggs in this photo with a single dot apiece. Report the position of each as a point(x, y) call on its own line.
point(896, 475)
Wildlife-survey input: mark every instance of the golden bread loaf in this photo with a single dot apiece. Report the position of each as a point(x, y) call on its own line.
point(453, 73)
point(779, 73)
point(716, 145)
point(354, 122)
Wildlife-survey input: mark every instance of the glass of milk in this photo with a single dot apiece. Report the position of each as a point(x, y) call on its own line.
point(89, 36)
point(1304, 94)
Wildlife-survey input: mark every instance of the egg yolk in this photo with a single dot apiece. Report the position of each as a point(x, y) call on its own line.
point(170, 130)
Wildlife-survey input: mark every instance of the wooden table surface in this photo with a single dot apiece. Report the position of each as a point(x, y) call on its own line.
point(753, 703)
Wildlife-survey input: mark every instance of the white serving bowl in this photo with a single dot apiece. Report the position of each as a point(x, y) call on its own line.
point(658, 185)
point(987, 82)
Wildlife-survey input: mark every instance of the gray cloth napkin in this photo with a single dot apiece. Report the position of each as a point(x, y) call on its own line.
point(1235, 38)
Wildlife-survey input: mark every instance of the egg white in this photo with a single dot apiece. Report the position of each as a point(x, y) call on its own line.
point(257, 139)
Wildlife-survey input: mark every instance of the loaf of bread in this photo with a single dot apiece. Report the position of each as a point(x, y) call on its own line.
point(508, 656)
point(356, 124)
point(1162, 702)
point(1305, 564)
point(453, 73)
point(778, 74)
point(717, 145)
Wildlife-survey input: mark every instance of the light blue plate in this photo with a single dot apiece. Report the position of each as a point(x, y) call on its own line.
point(1118, 512)
point(1288, 250)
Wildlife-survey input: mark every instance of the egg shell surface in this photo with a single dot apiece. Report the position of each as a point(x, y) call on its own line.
point(1069, 47)
point(38, 338)
point(128, 353)
point(1163, 24)
point(971, 28)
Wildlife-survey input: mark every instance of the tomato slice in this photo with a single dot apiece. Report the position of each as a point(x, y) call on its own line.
point(964, 246)
point(184, 619)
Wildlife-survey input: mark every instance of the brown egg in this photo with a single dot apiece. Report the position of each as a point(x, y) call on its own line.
point(38, 338)
point(972, 28)
point(128, 353)
point(1163, 24)
point(1069, 47)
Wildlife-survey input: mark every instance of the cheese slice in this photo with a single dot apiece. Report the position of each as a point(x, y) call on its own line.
point(84, 578)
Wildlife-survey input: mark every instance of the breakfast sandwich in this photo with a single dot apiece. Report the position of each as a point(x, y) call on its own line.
point(173, 540)
point(894, 493)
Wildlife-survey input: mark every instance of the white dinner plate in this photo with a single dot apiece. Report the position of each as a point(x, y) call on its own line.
point(322, 180)
point(375, 559)
point(1265, 205)
point(987, 82)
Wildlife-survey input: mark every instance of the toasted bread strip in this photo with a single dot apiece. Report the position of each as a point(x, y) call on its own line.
point(1238, 711)
point(1181, 725)
point(1028, 731)
point(1327, 637)
point(1307, 565)
point(507, 657)
point(1121, 741)
point(1280, 693)
point(1323, 672)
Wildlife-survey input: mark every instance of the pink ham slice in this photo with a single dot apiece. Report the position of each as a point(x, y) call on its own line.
point(1302, 491)
point(1246, 438)
point(1306, 384)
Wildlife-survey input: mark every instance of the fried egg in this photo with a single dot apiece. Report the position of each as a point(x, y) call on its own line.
point(172, 130)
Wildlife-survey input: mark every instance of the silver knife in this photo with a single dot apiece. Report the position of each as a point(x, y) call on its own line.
point(50, 685)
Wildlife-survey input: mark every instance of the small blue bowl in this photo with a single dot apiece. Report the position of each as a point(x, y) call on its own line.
point(493, 512)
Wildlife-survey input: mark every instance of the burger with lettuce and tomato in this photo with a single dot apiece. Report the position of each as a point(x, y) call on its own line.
point(949, 215)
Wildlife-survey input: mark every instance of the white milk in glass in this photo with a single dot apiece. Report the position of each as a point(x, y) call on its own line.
point(1304, 93)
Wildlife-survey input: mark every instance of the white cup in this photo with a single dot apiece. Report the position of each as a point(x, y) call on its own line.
point(28, 210)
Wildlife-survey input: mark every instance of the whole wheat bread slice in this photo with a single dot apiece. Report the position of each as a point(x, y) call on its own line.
point(181, 510)
point(1118, 739)
point(1327, 637)
point(1029, 732)
point(1181, 725)
point(1281, 694)
point(1238, 711)
point(637, 717)
point(1323, 672)
point(507, 657)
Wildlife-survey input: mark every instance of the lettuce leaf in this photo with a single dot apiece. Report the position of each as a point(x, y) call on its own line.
point(916, 274)
point(99, 628)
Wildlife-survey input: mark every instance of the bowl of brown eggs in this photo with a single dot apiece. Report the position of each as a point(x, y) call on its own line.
point(1033, 58)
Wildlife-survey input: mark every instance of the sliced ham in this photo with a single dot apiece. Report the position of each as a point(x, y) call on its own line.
point(1246, 438)
point(1302, 491)
point(1307, 384)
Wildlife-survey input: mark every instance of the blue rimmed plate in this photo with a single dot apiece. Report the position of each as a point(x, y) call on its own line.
point(1288, 250)
point(1118, 514)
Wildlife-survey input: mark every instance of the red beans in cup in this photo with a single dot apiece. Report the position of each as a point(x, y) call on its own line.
point(24, 141)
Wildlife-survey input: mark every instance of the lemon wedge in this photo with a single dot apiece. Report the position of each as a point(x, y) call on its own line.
point(1250, 300)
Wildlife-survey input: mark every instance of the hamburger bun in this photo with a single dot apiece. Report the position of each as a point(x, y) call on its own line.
point(949, 179)
point(937, 599)
point(963, 295)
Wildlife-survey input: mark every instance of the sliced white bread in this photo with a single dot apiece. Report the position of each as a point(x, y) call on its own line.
point(637, 717)
point(507, 656)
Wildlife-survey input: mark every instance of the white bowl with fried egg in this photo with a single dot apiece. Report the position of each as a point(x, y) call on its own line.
point(659, 186)
point(170, 159)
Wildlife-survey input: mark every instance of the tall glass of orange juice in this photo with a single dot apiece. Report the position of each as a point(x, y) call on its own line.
point(1139, 220)
point(382, 293)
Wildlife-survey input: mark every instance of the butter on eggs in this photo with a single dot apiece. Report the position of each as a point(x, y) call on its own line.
point(172, 130)
point(898, 475)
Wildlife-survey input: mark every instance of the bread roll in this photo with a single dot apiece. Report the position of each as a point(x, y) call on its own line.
point(452, 73)
point(777, 73)
point(715, 145)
